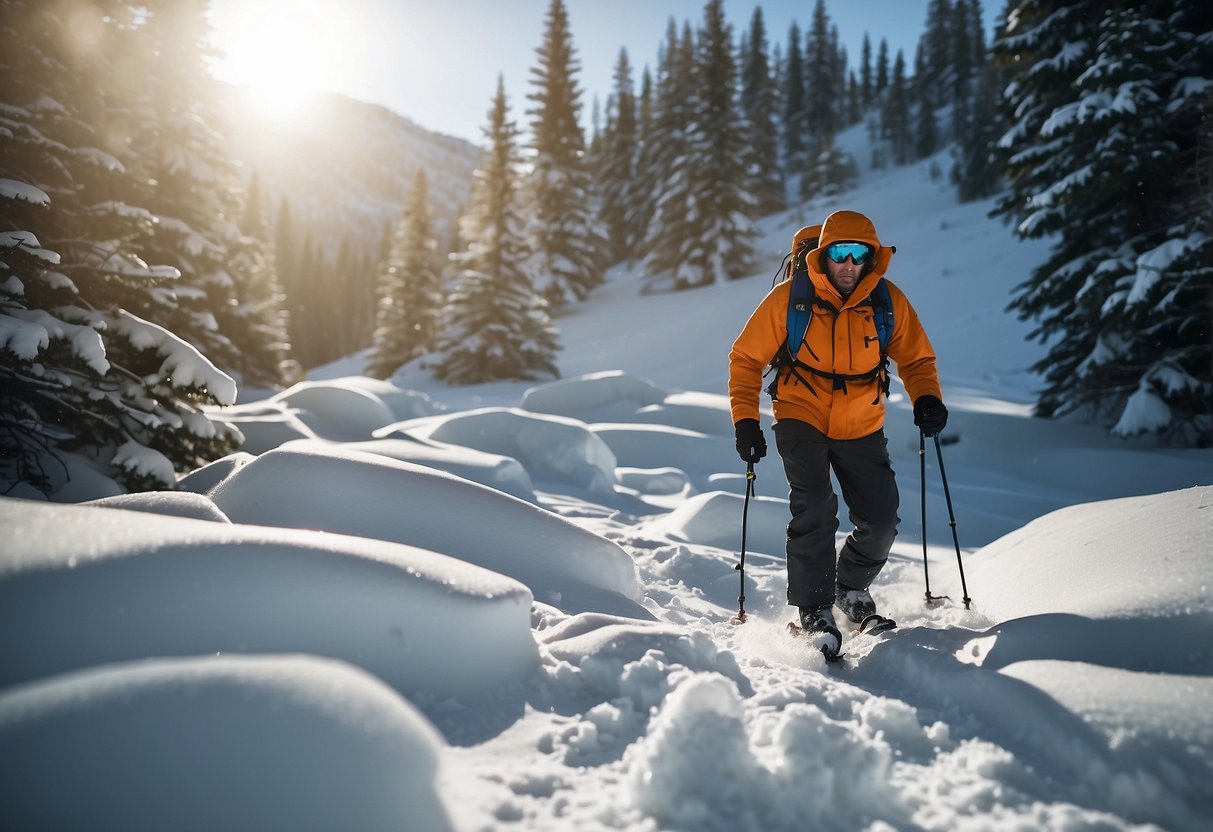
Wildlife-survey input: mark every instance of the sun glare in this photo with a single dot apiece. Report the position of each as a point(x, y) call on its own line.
point(278, 50)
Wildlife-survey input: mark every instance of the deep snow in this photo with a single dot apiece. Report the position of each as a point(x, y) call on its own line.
point(404, 605)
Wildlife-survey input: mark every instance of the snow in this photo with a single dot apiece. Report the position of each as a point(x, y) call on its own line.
point(23, 192)
point(506, 605)
point(306, 744)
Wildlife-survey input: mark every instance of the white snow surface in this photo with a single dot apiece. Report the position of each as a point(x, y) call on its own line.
point(506, 606)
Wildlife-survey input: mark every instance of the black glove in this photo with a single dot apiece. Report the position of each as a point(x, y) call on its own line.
point(751, 444)
point(930, 415)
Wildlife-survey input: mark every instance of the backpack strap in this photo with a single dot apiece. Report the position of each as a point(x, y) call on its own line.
point(801, 300)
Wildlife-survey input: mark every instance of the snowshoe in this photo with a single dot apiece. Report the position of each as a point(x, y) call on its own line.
point(820, 623)
point(873, 624)
point(856, 604)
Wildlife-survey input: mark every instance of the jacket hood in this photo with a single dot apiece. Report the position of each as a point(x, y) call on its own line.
point(851, 226)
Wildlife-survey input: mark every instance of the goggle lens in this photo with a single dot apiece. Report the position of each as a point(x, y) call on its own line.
point(858, 252)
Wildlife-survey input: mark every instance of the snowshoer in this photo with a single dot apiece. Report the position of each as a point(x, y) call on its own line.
point(829, 414)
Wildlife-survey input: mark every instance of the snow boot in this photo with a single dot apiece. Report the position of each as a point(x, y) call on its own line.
point(856, 604)
point(821, 620)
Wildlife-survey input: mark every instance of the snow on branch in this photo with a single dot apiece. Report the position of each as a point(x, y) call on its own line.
point(29, 243)
point(23, 192)
point(183, 363)
point(26, 332)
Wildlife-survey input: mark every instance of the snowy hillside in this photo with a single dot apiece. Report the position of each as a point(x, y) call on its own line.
point(347, 165)
point(409, 606)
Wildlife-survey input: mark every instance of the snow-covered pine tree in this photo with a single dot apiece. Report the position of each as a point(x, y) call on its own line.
point(710, 240)
point(979, 120)
point(760, 111)
point(224, 303)
point(495, 325)
point(617, 167)
point(1106, 152)
point(669, 160)
point(410, 289)
point(80, 372)
point(827, 169)
point(568, 246)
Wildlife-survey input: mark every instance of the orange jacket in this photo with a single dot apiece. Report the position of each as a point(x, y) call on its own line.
point(845, 343)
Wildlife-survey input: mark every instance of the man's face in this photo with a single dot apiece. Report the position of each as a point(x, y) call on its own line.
point(845, 276)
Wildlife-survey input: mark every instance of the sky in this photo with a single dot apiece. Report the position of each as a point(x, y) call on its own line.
point(438, 63)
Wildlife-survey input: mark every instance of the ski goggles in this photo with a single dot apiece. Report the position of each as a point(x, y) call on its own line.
point(858, 252)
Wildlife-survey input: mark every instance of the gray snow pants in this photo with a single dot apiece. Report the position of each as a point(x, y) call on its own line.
point(870, 489)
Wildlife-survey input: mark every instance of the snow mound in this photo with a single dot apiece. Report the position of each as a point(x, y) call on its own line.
point(654, 480)
point(174, 503)
point(552, 448)
point(268, 743)
point(81, 586)
point(703, 412)
point(700, 455)
point(266, 428)
point(345, 411)
point(613, 390)
point(202, 480)
point(500, 472)
point(563, 564)
point(714, 519)
point(404, 403)
point(1060, 561)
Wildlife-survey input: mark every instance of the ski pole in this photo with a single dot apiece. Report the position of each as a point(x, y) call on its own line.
point(922, 467)
point(740, 567)
point(952, 521)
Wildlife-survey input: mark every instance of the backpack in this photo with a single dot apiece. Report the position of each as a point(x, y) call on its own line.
point(801, 300)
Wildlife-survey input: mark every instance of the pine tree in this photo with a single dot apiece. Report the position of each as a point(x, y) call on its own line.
point(410, 289)
point(827, 169)
point(759, 106)
point(617, 167)
point(867, 90)
point(882, 67)
point(668, 162)
point(80, 370)
point(937, 47)
point(703, 227)
point(795, 105)
point(1109, 131)
point(496, 327)
point(224, 302)
point(896, 113)
point(979, 122)
point(567, 244)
